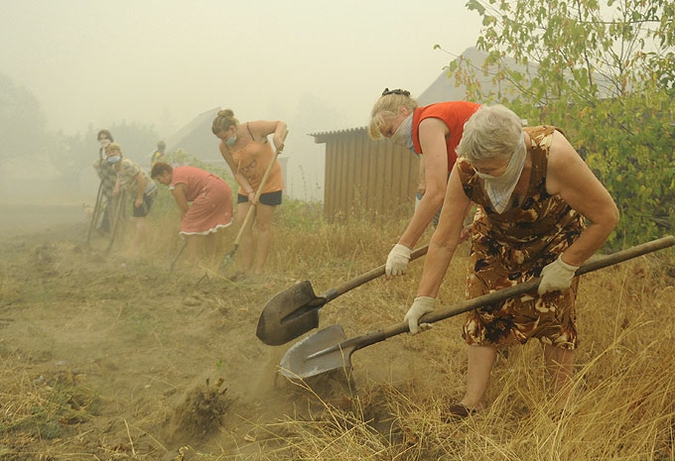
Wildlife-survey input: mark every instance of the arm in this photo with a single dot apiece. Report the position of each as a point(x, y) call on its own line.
point(263, 128)
point(240, 178)
point(421, 182)
point(569, 176)
point(432, 139)
point(116, 188)
point(179, 194)
point(441, 249)
point(446, 237)
point(140, 188)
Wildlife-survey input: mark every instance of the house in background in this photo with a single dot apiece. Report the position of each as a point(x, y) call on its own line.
point(378, 178)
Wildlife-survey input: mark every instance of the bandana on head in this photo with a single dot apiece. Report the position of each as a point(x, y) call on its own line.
point(500, 188)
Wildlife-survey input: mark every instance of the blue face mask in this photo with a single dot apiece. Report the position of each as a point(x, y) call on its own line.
point(114, 158)
point(231, 140)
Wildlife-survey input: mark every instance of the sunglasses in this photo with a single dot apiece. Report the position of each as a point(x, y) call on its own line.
point(387, 91)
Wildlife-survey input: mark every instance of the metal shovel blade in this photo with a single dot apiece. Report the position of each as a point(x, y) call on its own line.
point(294, 311)
point(300, 360)
point(289, 314)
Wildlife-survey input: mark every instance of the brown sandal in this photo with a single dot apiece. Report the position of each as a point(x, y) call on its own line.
point(456, 412)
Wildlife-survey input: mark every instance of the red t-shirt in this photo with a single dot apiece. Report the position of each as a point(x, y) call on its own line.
point(454, 114)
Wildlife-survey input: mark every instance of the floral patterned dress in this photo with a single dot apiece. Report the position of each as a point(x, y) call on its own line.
point(511, 248)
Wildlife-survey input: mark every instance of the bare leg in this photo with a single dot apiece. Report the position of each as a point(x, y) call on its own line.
point(481, 359)
point(245, 251)
point(210, 242)
point(192, 249)
point(264, 226)
point(141, 231)
point(560, 366)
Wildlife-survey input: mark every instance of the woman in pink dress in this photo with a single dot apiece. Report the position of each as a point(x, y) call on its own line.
point(210, 208)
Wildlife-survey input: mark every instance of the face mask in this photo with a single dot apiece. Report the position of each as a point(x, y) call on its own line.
point(114, 159)
point(104, 142)
point(500, 188)
point(486, 176)
point(230, 141)
point(403, 134)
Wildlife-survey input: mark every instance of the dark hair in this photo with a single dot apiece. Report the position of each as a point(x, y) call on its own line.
point(159, 168)
point(107, 133)
point(223, 121)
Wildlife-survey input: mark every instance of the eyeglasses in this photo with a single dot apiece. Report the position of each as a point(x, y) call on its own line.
point(387, 91)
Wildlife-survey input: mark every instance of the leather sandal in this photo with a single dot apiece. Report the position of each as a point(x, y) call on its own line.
point(456, 412)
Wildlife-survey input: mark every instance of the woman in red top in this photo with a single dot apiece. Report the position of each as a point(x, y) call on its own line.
point(433, 131)
point(211, 208)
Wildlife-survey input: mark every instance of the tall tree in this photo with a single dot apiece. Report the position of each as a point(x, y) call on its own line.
point(603, 71)
point(22, 124)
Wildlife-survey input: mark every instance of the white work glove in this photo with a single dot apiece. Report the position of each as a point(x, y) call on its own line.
point(556, 276)
point(421, 305)
point(397, 261)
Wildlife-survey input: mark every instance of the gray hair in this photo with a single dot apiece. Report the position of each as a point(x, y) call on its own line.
point(492, 132)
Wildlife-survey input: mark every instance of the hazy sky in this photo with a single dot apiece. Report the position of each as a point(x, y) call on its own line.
point(315, 63)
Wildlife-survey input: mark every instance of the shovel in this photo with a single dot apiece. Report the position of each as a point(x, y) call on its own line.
point(295, 311)
point(97, 211)
point(328, 349)
point(228, 259)
point(116, 220)
point(175, 258)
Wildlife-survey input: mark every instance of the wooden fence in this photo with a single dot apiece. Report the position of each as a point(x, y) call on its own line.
point(366, 177)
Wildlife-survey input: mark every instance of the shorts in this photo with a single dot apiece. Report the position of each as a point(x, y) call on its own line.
point(144, 209)
point(270, 198)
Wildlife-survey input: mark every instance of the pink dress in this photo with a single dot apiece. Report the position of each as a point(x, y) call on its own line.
point(211, 199)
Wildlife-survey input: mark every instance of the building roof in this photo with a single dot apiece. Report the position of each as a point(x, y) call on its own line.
point(443, 88)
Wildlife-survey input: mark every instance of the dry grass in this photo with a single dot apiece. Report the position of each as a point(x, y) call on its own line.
point(389, 407)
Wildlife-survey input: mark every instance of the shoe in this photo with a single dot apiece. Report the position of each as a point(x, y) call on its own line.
point(456, 412)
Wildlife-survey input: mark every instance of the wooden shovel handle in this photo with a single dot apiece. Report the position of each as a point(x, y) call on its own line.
point(470, 304)
point(372, 274)
point(258, 193)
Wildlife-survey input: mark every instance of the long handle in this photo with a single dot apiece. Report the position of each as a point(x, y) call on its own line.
point(258, 193)
point(500, 295)
point(97, 210)
point(372, 274)
point(116, 222)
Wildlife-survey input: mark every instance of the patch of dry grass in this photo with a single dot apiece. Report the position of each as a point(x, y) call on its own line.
point(390, 406)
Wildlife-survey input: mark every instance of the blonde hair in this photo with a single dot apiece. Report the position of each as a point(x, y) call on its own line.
point(223, 121)
point(113, 146)
point(386, 108)
point(491, 132)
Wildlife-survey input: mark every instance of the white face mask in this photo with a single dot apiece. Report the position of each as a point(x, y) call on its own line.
point(403, 134)
point(500, 188)
point(114, 159)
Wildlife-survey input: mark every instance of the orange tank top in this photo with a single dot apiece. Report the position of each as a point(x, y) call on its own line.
point(252, 161)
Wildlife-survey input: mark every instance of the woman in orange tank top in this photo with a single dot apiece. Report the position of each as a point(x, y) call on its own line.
point(248, 152)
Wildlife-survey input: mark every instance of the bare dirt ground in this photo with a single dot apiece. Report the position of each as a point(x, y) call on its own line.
point(147, 361)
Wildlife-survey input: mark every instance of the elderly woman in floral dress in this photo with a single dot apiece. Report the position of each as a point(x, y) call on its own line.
point(535, 195)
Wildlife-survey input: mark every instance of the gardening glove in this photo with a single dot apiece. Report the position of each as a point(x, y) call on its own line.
point(556, 276)
point(421, 305)
point(397, 261)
